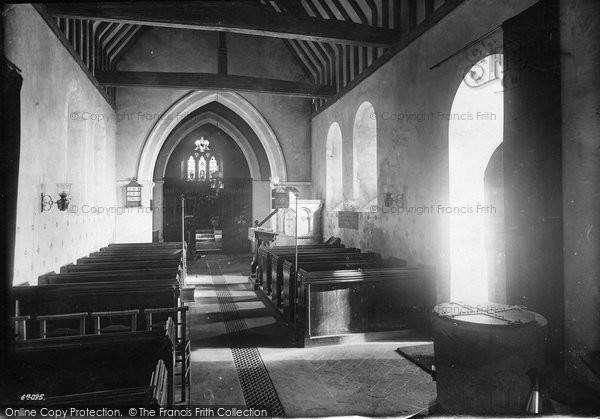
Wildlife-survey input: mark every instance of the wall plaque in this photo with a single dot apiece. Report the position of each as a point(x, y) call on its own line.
point(348, 219)
point(133, 194)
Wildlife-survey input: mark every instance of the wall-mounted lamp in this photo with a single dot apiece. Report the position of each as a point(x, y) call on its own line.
point(64, 189)
point(389, 199)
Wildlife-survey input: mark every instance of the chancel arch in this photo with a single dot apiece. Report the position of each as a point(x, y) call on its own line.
point(196, 100)
point(334, 174)
point(206, 166)
point(364, 156)
point(476, 240)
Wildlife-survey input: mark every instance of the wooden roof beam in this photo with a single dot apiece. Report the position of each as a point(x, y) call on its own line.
point(230, 16)
point(211, 81)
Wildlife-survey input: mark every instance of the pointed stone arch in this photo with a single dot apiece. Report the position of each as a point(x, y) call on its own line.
point(205, 118)
point(195, 100)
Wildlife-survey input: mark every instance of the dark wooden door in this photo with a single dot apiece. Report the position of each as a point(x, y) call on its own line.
point(236, 210)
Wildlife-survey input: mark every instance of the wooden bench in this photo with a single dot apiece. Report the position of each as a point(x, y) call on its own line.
point(268, 269)
point(108, 296)
point(264, 251)
point(335, 303)
point(289, 287)
point(278, 260)
point(125, 283)
point(116, 266)
point(87, 370)
point(96, 258)
point(139, 250)
point(126, 246)
point(108, 275)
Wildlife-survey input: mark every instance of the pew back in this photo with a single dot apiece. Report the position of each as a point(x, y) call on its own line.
point(117, 266)
point(269, 265)
point(288, 291)
point(105, 276)
point(278, 260)
point(336, 303)
point(263, 251)
point(66, 369)
point(94, 297)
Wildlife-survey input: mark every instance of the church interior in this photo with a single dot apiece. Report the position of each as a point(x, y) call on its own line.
point(301, 208)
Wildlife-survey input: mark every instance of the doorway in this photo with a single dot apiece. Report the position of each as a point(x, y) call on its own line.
point(215, 220)
point(210, 171)
point(476, 187)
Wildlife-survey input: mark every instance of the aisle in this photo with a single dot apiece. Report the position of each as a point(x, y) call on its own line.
point(243, 355)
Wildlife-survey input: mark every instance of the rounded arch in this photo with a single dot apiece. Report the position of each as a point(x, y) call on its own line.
point(334, 193)
point(195, 100)
point(215, 119)
point(364, 155)
point(475, 132)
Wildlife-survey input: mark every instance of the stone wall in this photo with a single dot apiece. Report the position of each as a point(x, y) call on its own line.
point(179, 50)
point(61, 141)
point(411, 103)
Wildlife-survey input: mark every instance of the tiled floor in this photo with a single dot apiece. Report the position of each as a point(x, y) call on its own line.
point(367, 379)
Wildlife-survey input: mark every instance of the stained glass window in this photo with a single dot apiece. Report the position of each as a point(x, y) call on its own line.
point(203, 165)
point(202, 169)
point(212, 166)
point(191, 168)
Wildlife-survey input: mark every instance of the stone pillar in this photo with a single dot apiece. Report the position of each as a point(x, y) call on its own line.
point(580, 31)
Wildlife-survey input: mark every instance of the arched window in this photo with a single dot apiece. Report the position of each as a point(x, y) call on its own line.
point(212, 166)
point(203, 165)
point(191, 168)
point(476, 183)
point(202, 169)
point(364, 153)
point(334, 192)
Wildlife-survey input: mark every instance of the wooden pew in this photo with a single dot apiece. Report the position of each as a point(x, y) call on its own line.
point(122, 282)
point(95, 297)
point(109, 275)
point(353, 261)
point(278, 260)
point(268, 268)
point(116, 266)
point(144, 250)
point(335, 303)
point(163, 245)
point(100, 370)
point(101, 257)
point(264, 251)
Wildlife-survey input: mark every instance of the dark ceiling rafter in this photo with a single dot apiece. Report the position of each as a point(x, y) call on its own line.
point(339, 64)
point(336, 43)
point(242, 17)
point(212, 81)
point(134, 34)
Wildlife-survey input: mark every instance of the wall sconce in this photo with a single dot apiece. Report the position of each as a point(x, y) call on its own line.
point(389, 198)
point(64, 189)
point(350, 205)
